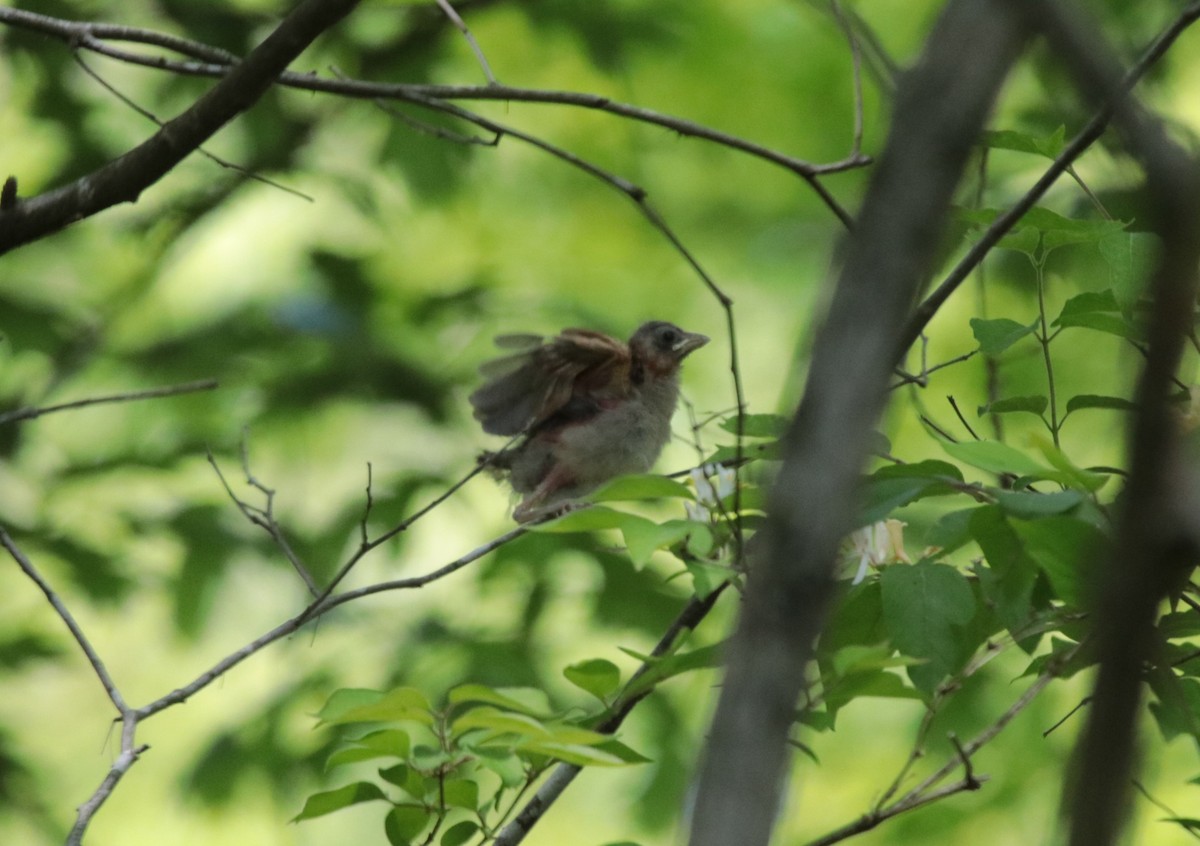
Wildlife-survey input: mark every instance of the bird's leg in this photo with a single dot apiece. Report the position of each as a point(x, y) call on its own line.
point(532, 507)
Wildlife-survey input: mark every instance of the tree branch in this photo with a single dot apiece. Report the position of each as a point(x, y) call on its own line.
point(1003, 224)
point(31, 412)
point(216, 63)
point(941, 107)
point(123, 179)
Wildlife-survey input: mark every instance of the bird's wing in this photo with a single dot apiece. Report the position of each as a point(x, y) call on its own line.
point(525, 388)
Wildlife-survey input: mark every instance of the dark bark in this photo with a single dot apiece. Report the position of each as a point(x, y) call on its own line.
point(941, 107)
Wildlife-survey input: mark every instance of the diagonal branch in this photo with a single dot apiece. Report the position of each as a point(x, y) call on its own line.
point(31, 413)
point(215, 63)
point(1003, 224)
point(123, 179)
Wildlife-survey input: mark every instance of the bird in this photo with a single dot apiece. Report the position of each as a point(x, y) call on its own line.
point(582, 407)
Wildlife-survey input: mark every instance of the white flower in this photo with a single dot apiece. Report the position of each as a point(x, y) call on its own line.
point(877, 544)
point(708, 497)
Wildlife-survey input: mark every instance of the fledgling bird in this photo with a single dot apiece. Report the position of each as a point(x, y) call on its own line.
point(589, 406)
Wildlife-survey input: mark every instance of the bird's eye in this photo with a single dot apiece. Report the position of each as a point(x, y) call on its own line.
point(668, 338)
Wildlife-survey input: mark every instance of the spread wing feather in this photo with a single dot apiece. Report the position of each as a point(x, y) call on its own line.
point(525, 388)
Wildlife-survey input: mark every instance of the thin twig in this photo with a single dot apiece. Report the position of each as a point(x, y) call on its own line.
point(856, 65)
point(60, 608)
point(961, 419)
point(150, 116)
point(455, 19)
point(264, 518)
point(129, 396)
point(215, 64)
point(313, 610)
point(922, 379)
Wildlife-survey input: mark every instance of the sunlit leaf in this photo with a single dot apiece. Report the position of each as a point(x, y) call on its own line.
point(524, 700)
point(647, 486)
point(329, 801)
point(597, 676)
point(358, 706)
point(461, 793)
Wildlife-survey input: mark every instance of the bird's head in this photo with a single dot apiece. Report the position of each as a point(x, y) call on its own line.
point(659, 347)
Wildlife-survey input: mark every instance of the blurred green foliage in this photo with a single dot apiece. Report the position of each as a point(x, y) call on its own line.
point(345, 329)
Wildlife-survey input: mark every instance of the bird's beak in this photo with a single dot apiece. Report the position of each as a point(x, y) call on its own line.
point(690, 341)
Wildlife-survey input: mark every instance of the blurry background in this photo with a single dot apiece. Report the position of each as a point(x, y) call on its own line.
point(347, 329)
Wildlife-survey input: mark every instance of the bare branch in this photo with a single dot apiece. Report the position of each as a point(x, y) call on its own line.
point(150, 116)
point(128, 396)
point(455, 19)
point(214, 64)
point(313, 610)
point(123, 179)
point(110, 687)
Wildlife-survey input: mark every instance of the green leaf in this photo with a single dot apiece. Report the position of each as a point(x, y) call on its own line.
point(757, 425)
point(1067, 472)
point(925, 606)
point(890, 488)
point(1090, 301)
point(1110, 324)
point(329, 801)
point(640, 487)
point(1048, 146)
point(661, 669)
point(404, 822)
point(995, 336)
point(994, 457)
point(1067, 550)
point(459, 833)
point(643, 537)
point(386, 743)
point(1009, 578)
point(1032, 404)
point(504, 764)
point(357, 706)
point(596, 675)
point(951, 531)
point(461, 793)
point(501, 722)
point(1030, 504)
point(1080, 401)
point(1131, 257)
point(590, 519)
point(525, 700)
point(613, 754)
point(707, 577)
point(1097, 310)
